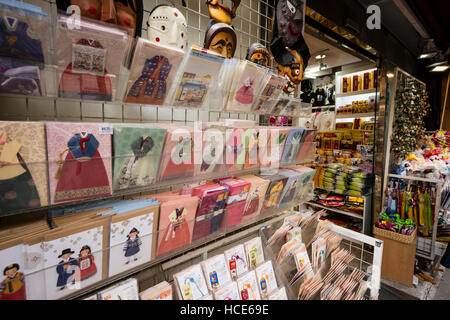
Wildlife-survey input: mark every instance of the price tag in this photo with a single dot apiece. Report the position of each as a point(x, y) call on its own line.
point(105, 129)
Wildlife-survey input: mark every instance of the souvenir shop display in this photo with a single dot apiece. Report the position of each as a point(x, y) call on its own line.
point(254, 251)
point(191, 284)
point(162, 291)
point(359, 106)
point(257, 53)
point(137, 155)
point(177, 160)
point(271, 88)
point(125, 13)
point(24, 48)
point(228, 292)
point(359, 82)
point(152, 73)
point(176, 221)
point(210, 214)
point(125, 290)
point(167, 26)
point(23, 173)
point(133, 234)
point(216, 272)
point(266, 279)
point(89, 59)
point(256, 195)
point(219, 12)
point(246, 82)
point(248, 286)
point(79, 161)
point(274, 190)
point(200, 71)
point(237, 261)
point(238, 191)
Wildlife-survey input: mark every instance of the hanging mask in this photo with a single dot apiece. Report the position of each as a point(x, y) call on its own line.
point(221, 38)
point(220, 12)
point(288, 33)
point(129, 14)
point(258, 54)
point(293, 71)
point(167, 26)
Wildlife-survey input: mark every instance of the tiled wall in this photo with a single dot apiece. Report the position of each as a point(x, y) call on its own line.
point(250, 23)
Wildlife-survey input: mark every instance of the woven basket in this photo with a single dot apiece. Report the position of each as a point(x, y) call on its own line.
point(403, 238)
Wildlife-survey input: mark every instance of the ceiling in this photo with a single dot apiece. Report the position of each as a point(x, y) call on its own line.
point(335, 57)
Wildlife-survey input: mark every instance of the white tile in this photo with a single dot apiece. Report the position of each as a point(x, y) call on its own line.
point(113, 110)
point(13, 106)
point(149, 113)
point(164, 114)
point(132, 111)
point(68, 109)
point(192, 115)
point(91, 109)
point(41, 108)
point(179, 114)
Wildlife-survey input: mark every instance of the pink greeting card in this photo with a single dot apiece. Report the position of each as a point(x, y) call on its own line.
point(237, 198)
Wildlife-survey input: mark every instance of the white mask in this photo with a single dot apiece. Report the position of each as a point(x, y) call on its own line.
point(167, 26)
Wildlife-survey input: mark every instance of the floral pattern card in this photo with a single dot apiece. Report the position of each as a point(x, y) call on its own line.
point(248, 286)
point(216, 272)
point(79, 156)
point(132, 239)
point(191, 283)
point(137, 154)
point(228, 292)
point(266, 279)
point(254, 251)
point(237, 261)
point(23, 169)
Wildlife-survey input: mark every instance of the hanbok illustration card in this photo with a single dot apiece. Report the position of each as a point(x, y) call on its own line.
point(228, 292)
point(152, 72)
point(292, 146)
point(79, 157)
point(126, 290)
point(237, 197)
point(74, 258)
point(248, 286)
point(255, 199)
point(23, 173)
point(274, 191)
point(132, 239)
point(270, 91)
point(212, 153)
point(254, 251)
point(199, 73)
point(13, 285)
point(176, 224)
point(246, 83)
point(89, 61)
point(191, 283)
point(216, 272)
point(237, 261)
point(137, 155)
point(266, 279)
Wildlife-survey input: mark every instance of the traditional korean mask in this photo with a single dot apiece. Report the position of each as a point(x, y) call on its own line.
point(221, 38)
point(129, 14)
point(258, 54)
point(220, 12)
point(290, 20)
point(293, 71)
point(88, 8)
point(167, 26)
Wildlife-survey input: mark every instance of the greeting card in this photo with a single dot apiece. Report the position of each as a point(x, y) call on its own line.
point(191, 283)
point(153, 70)
point(292, 146)
point(216, 272)
point(176, 223)
point(254, 251)
point(228, 292)
point(23, 173)
point(79, 157)
point(271, 89)
point(210, 213)
point(290, 189)
point(274, 191)
point(13, 285)
point(237, 197)
point(213, 154)
point(132, 239)
point(256, 194)
point(237, 261)
point(248, 286)
point(279, 294)
point(137, 154)
point(162, 291)
point(308, 146)
point(266, 279)
point(125, 290)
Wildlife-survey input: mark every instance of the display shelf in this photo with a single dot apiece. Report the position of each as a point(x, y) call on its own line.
point(415, 178)
point(364, 195)
point(347, 213)
point(356, 93)
point(186, 253)
point(355, 115)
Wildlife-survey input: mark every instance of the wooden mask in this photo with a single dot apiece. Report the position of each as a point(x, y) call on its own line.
point(220, 12)
point(221, 38)
point(258, 54)
point(294, 71)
